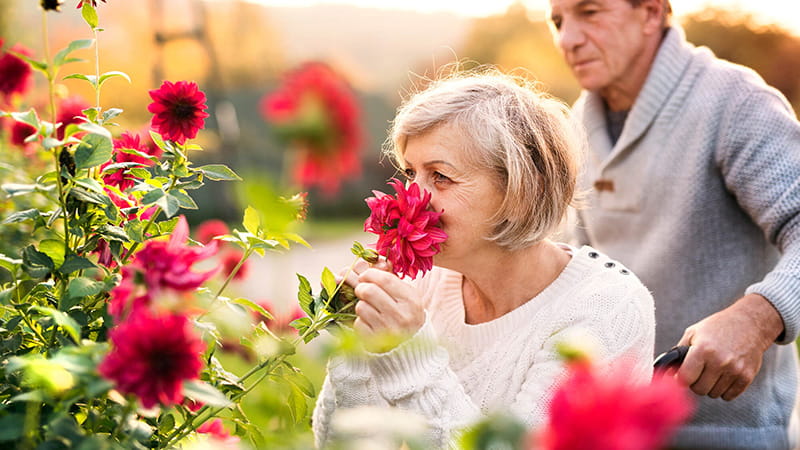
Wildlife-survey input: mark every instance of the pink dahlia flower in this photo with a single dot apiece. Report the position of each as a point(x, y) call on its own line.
point(590, 411)
point(408, 232)
point(167, 265)
point(151, 357)
point(217, 432)
point(16, 75)
point(122, 177)
point(178, 110)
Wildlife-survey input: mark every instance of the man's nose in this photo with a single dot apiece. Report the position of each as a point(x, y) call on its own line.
point(569, 36)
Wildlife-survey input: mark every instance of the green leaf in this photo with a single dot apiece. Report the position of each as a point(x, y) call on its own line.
point(152, 196)
point(21, 216)
point(11, 427)
point(89, 14)
point(253, 306)
point(219, 172)
point(328, 281)
point(41, 66)
point(115, 73)
point(302, 382)
point(15, 189)
point(54, 249)
point(8, 263)
point(169, 204)
point(184, 200)
point(28, 117)
point(166, 423)
point(61, 57)
point(91, 79)
point(91, 197)
point(64, 321)
point(94, 128)
point(252, 220)
point(205, 393)
point(84, 287)
point(74, 263)
point(158, 140)
point(135, 230)
point(110, 113)
point(297, 404)
point(93, 150)
point(113, 233)
point(294, 237)
point(304, 295)
point(90, 184)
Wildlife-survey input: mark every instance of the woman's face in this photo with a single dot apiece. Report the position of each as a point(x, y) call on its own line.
point(466, 195)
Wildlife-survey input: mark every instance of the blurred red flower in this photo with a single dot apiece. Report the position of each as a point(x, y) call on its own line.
point(70, 110)
point(279, 324)
point(217, 432)
point(591, 411)
point(229, 260)
point(121, 177)
point(178, 110)
point(151, 357)
point(409, 233)
point(16, 75)
point(209, 229)
point(316, 112)
point(130, 206)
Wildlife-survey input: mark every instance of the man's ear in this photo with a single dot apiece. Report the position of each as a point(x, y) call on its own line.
point(655, 15)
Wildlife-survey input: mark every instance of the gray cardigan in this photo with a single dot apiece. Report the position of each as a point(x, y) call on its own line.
point(700, 197)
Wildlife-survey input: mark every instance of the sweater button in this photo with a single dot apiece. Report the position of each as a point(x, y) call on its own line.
point(593, 254)
point(610, 265)
point(624, 271)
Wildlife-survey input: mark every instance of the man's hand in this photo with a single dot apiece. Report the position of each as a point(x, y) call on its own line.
point(727, 347)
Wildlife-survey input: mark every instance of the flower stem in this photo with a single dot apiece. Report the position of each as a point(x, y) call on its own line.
point(247, 253)
point(97, 69)
point(129, 408)
point(135, 245)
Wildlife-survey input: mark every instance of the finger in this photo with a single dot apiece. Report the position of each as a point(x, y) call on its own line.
point(736, 389)
point(686, 339)
point(362, 328)
point(360, 266)
point(350, 278)
point(722, 385)
point(383, 264)
point(692, 368)
point(370, 316)
point(388, 281)
point(376, 296)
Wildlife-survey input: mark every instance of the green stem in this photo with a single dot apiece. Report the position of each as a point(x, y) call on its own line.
point(97, 69)
point(129, 408)
point(124, 259)
point(247, 253)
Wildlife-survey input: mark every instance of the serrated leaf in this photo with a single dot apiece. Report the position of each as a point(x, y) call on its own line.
point(113, 233)
point(61, 57)
point(89, 14)
point(63, 320)
point(21, 216)
point(93, 150)
point(252, 220)
point(253, 306)
point(114, 73)
point(328, 281)
point(84, 287)
point(169, 204)
point(297, 404)
point(303, 383)
point(184, 200)
point(304, 295)
point(74, 263)
point(54, 249)
point(219, 172)
point(205, 393)
point(152, 196)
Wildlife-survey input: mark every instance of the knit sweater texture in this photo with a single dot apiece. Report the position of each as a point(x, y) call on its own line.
point(453, 373)
point(704, 206)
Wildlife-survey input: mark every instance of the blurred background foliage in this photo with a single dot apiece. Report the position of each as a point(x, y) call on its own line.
point(238, 50)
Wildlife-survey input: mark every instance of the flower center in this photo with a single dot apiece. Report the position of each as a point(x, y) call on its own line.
point(183, 110)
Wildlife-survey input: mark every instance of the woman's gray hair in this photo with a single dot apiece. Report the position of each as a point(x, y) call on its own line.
point(522, 134)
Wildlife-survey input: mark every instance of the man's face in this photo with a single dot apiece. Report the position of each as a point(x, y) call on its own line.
point(603, 41)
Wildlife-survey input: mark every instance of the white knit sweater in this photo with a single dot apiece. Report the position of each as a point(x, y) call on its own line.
point(453, 373)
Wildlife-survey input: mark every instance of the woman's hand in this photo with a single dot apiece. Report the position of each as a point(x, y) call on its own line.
point(387, 308)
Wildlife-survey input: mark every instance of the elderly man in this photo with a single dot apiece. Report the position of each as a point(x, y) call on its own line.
point(694, 178)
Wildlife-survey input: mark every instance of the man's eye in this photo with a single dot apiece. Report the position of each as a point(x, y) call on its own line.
point(556, 22)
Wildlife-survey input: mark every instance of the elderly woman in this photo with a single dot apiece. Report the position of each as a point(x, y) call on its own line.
point(500, 161)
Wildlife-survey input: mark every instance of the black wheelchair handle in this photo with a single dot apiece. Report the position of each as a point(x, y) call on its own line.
point(672, 358)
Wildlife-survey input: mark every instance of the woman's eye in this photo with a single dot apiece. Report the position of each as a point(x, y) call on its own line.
point(409, 174)
point(438, 177)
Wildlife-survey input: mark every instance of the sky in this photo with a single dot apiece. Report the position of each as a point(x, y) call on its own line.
point(784, 12)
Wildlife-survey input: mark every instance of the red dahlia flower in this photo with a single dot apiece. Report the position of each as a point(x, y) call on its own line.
point(408, 232)
point(590, 411)
point(316, 112)
point(208, 230)
point(93, 2)
point(178, 110)
point(70, 110)
point(151, 356)
point(167, 265)
point(126, 204)
point(229, 261)
point(217, 432)
point(16, 75)
point(122, 177)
